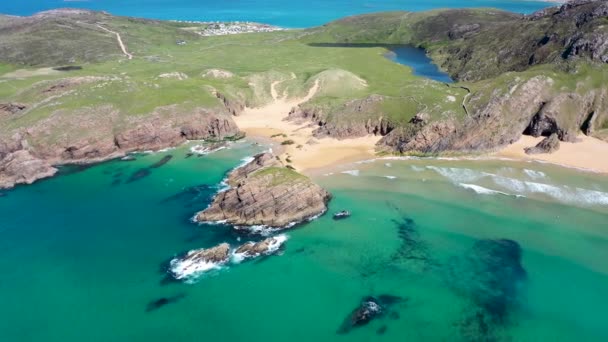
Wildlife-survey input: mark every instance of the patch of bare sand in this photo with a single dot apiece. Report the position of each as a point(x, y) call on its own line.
point(305, 153)
point(590, 153)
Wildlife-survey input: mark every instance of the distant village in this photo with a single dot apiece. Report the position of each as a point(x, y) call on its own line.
point(208, 29)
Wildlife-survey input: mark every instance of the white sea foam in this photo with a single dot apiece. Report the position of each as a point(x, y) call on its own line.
point(275, 244)
point(388, 164)
point(481, 190)
point(351, 172)
point(203, 150)
point(564, 193)
point(417, 168)
point(259, 229)
point(535, 174)
point(390, 177)
point(183, 269)
point(459, 175)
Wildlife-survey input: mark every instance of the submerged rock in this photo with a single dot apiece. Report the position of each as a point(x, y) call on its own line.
point(263, 193)
point(161, 162)
point(255, 249)
point(548, 145)
point(369, 309)
point(159, 303)
point(491, 275)
point(342, 215)
point(139, 174)
point(199, 261)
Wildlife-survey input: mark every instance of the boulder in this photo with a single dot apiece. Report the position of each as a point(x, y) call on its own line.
point(265, 247)
point(548, 145)
point(199, 261)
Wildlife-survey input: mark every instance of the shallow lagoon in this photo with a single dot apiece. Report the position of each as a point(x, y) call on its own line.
point(83, 254)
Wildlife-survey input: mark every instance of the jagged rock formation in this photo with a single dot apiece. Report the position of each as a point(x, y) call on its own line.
point(21, 167)
point(498, 117)
point(35, 154)
point(548, 145)
point(255, 249)
point(199, 260)
point(352, 125)
point(263, 193)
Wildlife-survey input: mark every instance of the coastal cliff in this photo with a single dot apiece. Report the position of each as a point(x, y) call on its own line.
point(263, 192)
point(29, 154)
point(80, 98)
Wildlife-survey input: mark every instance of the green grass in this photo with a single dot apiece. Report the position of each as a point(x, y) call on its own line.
point(347, 75)
point(280, 175)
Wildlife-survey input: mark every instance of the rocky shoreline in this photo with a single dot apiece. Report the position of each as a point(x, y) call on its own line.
point(22, 161)
point(265, 193)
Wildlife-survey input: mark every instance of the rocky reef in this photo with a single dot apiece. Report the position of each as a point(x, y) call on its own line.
point(369, 309)
point(265, 193)
point(196, 262)
point(199, 261)
point(492, 276)
point(267, 246)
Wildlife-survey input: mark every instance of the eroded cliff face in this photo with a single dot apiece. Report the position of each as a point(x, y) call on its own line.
point(499, 116)
point(29, 154)
point(265, 193)
point(350, 120)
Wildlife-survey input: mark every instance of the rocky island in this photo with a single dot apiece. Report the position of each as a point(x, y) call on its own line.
point(265, 193)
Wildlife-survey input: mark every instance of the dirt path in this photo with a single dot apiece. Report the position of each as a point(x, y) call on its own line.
point(119, 39)
point(304, 152)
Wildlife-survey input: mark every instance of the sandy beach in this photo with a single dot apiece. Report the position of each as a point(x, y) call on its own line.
point(590, 153)
point(306, 153)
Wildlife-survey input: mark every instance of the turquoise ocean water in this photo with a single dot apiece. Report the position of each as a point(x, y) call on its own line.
point(295, 13)
point(83, 254)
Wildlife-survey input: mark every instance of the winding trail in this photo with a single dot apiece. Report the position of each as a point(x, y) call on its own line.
point(304, 152)
point(120, 42)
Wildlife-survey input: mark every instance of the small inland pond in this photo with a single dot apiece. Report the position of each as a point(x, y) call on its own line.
point(420, 63)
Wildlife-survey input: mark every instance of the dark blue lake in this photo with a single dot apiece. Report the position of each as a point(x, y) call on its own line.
point(421, 64)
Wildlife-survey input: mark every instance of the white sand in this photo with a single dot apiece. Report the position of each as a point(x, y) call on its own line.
point(589, 153)
point(307, 153)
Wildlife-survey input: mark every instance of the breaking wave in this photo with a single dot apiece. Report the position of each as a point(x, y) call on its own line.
point(351, 172)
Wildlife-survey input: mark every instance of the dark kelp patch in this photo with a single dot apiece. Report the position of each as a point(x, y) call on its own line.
point(161, 162)
point(371, 308)
point(145, 172)
point(491, 275)
point(163, 301)
point(192, 195)
point(138, 175)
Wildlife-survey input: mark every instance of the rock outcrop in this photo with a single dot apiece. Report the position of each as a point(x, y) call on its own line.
point(98, 139)
point(21, 167)
point(263, 193)
point(548, 145)
point(199, 261)
point(255, 249)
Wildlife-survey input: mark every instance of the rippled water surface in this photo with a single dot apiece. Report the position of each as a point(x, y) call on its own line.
point(296, 13)
point(84, 255)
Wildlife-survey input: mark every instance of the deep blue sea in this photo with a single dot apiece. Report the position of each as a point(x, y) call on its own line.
point(292, 13)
